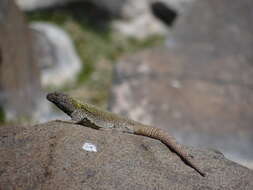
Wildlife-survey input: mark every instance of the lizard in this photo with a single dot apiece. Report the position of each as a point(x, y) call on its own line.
point(90, 116)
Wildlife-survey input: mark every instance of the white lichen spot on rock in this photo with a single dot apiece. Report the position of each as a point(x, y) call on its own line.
point(176, 84)
point(89, 147)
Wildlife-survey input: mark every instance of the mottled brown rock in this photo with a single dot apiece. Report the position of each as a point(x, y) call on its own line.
point(50, 156)
point(200, 83)
point(19, 73)
point(221, 26)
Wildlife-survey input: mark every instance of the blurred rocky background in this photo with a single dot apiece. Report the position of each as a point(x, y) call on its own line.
point(183, 65)
point(20, 87)
point(199, 85)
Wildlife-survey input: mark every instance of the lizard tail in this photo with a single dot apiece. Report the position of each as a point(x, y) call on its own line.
point(169, 141)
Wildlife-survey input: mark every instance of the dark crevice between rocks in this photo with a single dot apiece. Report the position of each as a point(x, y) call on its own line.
point(87, 13)
point(163, 12)
point(47, 170)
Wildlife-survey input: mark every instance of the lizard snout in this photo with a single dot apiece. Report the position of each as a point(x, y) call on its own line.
point(52, 97)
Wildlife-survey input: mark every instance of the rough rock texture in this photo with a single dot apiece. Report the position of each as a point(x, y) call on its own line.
point(50, 156)
point(200, 84)
point(55, 53)
point(20, 90)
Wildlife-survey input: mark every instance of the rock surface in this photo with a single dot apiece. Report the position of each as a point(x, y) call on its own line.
point(56, 55)
point(200, 84)
point(53, 156)
point(20, 90)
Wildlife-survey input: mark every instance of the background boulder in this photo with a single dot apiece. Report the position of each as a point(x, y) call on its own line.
point(55, 54)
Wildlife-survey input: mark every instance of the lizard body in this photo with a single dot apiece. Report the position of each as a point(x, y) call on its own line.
point(91, 116)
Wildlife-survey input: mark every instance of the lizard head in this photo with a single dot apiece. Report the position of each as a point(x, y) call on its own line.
point(62, 101)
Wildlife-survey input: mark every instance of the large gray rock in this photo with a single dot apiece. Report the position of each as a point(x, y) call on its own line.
point(56, 55)
point(57, 155)
point(20, 90)
point(201, 83)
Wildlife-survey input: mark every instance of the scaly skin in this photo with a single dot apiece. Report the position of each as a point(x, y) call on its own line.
point(88, 115)
point(165, 138)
